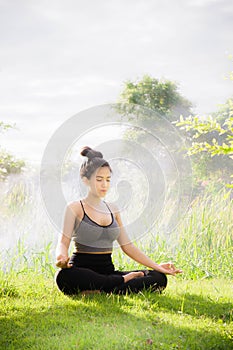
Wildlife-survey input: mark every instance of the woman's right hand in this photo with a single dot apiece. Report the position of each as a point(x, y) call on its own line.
point(63, 262)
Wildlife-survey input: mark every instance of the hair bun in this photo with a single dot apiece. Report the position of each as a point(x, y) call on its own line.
point(90, 153)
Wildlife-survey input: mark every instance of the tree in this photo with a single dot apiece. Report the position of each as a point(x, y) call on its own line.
point(152, 104)
point(224, 131)
point(212, 138)
point(8, 163)
point(149, 105)
point(158, 95)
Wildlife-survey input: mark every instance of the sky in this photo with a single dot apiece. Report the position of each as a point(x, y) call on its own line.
point(58, 58)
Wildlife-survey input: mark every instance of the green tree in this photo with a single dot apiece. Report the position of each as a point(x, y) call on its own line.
point(158, 95)
point(9, 164)
point(212, 142)
point(152, 104)
point(212, 137)
point(149, 105)
point(221, 144)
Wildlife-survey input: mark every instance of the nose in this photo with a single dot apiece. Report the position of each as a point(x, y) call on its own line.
point(104, 184)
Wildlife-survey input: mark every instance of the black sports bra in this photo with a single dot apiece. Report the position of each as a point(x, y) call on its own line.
point(90, 237)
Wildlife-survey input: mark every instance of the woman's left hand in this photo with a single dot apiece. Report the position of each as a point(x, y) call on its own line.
point(170, 268)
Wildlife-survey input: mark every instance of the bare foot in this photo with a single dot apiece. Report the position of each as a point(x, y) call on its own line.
point(132, 275)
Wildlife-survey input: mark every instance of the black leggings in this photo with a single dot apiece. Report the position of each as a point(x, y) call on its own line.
point(97, 272)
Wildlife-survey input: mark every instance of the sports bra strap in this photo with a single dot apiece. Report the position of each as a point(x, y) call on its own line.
point(82, 207)
point(108, 207)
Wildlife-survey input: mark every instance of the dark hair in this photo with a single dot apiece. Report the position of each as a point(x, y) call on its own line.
point(95, 160)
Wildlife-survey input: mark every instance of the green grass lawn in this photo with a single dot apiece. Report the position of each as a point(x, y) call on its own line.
point(188, 315)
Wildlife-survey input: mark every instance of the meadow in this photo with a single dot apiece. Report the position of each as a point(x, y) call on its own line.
point(194, 312)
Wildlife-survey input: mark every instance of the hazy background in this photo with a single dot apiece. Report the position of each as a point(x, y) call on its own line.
point(60, 57)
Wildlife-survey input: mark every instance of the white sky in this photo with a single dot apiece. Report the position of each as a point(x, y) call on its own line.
point(60, 57)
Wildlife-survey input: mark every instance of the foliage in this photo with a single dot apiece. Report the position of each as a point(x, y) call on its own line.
point(212, 135)
point(9, 164)
point(225, 111)
point(201, 127)
point(158, 95)
point(4, 126)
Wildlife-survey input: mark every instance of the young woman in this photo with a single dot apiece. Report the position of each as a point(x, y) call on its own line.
point(93, 225)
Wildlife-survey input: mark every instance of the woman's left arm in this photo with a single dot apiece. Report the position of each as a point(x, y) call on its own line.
point(136, 254)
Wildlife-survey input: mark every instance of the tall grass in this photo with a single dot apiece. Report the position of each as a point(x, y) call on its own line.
point(202, 244)
point(25, 229)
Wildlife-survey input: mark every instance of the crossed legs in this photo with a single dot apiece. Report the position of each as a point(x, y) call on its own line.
point(75, 279)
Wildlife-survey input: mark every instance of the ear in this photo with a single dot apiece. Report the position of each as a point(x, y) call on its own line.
point(85, 180)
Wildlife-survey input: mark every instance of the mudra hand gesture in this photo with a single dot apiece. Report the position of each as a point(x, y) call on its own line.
point(170, 268)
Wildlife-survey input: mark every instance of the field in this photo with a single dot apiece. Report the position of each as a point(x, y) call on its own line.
point(188, 315)
point(194, 312)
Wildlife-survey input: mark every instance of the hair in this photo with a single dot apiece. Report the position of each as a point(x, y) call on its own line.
point(94, 161)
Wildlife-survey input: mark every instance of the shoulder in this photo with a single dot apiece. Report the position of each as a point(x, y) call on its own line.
point(113, 207)
point(75, 208)
point(115, 210)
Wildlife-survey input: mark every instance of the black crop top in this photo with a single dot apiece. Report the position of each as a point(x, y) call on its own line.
point(90, 237)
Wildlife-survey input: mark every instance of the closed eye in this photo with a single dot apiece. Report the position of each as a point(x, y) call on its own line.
point(101, 178)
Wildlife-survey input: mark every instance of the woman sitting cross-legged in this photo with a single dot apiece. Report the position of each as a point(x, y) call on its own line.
point(93, 225)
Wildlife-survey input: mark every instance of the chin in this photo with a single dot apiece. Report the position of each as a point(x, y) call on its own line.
point(102, 194)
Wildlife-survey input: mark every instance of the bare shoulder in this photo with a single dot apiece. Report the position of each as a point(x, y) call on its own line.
point(114, 208)
point(76, 209)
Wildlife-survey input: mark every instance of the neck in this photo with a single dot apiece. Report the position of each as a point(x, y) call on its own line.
point(93, 200)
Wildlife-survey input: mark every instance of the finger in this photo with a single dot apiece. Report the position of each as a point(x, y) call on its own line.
point(174, 272)
point(58, 263)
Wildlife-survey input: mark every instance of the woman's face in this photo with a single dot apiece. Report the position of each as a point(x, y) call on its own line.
point(99, 182)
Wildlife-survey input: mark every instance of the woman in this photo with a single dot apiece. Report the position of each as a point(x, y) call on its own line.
point(94, 225)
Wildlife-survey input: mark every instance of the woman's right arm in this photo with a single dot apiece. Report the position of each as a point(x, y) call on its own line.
point(62, 252)
point(62, 258)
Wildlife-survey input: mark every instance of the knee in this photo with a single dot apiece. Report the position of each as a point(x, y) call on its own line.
point(56, 276)
point(59, 279)
point(163, 284)
point(62, 281)
point(160, 280)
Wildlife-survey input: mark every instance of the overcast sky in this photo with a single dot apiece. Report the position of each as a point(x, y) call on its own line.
point(60, 57)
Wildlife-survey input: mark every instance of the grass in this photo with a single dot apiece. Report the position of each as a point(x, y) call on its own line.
point(188, 315)
point(194, 312)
